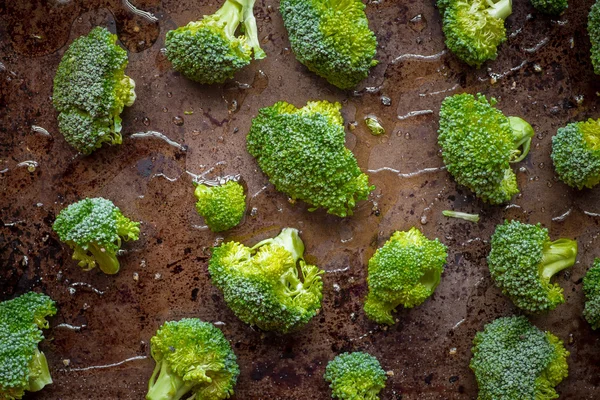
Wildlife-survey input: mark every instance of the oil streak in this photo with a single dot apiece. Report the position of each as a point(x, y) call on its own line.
point(160, 136)
point(107, 365)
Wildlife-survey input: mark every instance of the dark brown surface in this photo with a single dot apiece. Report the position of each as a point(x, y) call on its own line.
point(147, 178)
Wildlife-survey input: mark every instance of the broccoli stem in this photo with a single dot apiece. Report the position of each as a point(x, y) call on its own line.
point(42, 377)
point(557, 256)
point(522, 134)
point(106, 259)
point(167, 386)
point(231, 14)
point(501, 9)
point(289, 240)
point(461, 215)
point(250, 29)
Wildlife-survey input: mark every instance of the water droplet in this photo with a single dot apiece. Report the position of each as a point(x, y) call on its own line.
point(146, 121)
point(407, 135)
point(541, 165)
point(195, 132)
point(418, 23)
point(424, 220)
point(386, 101)
point(254, 212)
point(169, 94)
point(177, 120)
point(31, 168)
point(233, 106)
point(165, 109)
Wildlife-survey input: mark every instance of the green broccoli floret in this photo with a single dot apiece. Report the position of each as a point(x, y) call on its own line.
point(222, 206)
point(194, 360)
point(474, 28)
point(302, 152)
point(355, 376)
point(91, 90)
point(268, 285)
point(478, 144)
point(93, 228)
point(332, 38)
point(208, 51)
point(593, 29)
point(514, 360)
point(576, 154)
point(23, 367)
point(405, 271)
point(522, 262)
point(552, 7)
point(591, 288)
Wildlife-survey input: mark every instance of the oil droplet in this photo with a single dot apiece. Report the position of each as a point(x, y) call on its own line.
point(418, 23)
point(178, 120)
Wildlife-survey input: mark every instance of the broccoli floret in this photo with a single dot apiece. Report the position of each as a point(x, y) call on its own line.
point(474, 28)
point(222, 206)
point(405, 271)
point(478, 144)
point(593, 28)
point(302, 152)
point(268, 285)
point(576, 154)
point(552, 7)
point(374, 125)
point(461, 215)
point(355, 376)
point(514, 360)
point(591, 288)
point(23, 367)
point(332, 38)
point(194, 360)
point(91, 90)
point(208, 51)
point(522, 262)
point(94, 228)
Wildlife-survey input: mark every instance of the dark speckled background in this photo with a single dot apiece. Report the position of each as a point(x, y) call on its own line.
point(543, 74)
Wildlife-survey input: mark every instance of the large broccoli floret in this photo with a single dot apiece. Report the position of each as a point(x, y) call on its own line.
point(591, 288)
point(222, 206)
point(355, 376)
point(332, 38)
point(593, 28)
point(194, 360)
point(478, 144)
point(552, 7)
point(576, 154)
point(23, 367)
point(405, 271)
point(208, 51)
point(474, 28)
point(93, 228)
point(302, 152)
point(268, 285)
point(514, 360)
point(91, 90)
point(522, 262)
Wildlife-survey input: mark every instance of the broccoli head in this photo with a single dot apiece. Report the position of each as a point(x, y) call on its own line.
point(23, 367)
point(194, 360)
point(332, 38)
point(302, 152)
point(593, 29)
point(552, 7)
point(94, 228)
point(405, 271)
point(355, 376)
point(478, 144)
point(576, 154)
point(474, 28)
point(208, 51)
point(268, 285)
point(591, 288)
point(222, 206)
point(91, 90)
point(522, 262)
point(514, 360)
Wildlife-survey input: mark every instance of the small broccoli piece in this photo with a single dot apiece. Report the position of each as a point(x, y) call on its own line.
point(478, 144)
point(374, 125)
point(208, 51)
point(332, 38)
point(474, 28)
point(91, 90)
point(514, 360)
point(405, 271)
point(461, 215)
point(268, 285)
point(552, 7)
point(522, 262)
point(194, 360)
point(591, 288)
point(221, 206)
point(593, 29)
point(576, 154)
point(355, 376)
point(23, 367)
point(93, 228)
point(302, 152)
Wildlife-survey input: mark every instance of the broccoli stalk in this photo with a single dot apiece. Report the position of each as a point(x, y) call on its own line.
point(106, 260)
point(501, 9)
point(40, 373)
point(236, 12)
point(461, 215)
point(522, 133)
point(165, 384)
point(556, 256)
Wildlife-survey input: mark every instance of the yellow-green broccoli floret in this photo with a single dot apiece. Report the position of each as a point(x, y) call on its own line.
point(91, 90)
point(576, 154)
point(514, 360)
point(222, 206)
point(194, 360)
point(268, 285)
point(94, 228)
point(332, 38)
point(478, 144)
point(522, 262)
point(23, 367)
point(302, 152)
point(405, 271)
point(591, 288)
point(593, 29)
point(355, 376)
point(208, 51)
point(552, 7)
